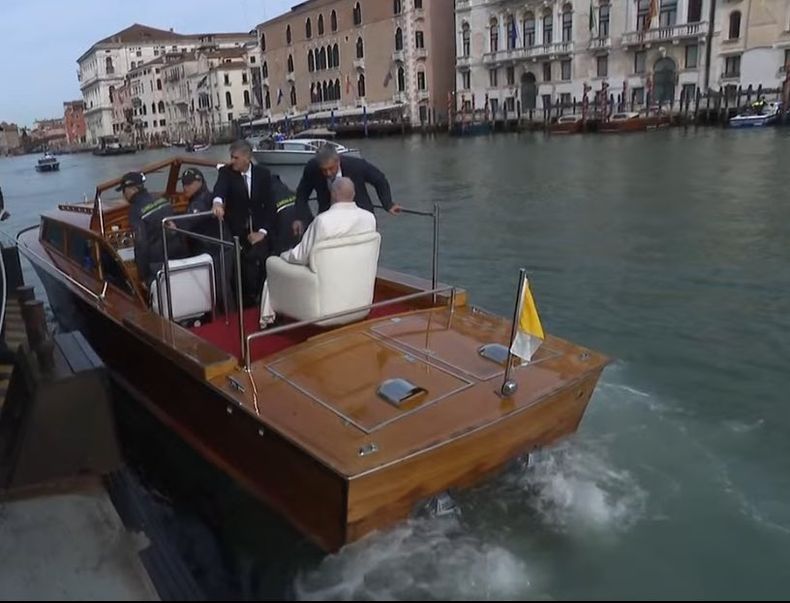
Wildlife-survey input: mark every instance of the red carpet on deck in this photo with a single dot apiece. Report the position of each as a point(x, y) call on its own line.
point(226, 337)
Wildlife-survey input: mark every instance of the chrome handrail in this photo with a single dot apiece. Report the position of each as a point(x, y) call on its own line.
point(304, 323)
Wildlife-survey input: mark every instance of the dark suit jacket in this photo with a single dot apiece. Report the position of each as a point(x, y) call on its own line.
point(358, 170)
point(239, 207)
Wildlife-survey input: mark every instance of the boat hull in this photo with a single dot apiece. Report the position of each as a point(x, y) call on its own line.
point(54, 167)
point(267, 157)
point(633, 125)
point(756, 122)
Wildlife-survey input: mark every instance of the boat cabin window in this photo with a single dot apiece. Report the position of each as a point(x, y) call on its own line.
point(54, 235)
point(82, 250)
point(113, 272)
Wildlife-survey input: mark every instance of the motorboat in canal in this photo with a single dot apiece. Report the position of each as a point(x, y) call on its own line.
point(758, 114)
point(48, 163)
point(296, 151)
point(636, 121)
point(112, 145)
point(343, 418)
point(568, 124)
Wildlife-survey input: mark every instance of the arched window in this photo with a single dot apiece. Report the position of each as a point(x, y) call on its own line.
point(246, 98)
point(397, 7)
point(320, 25)
point(401, 80)
point(329, 63)
point(567, 23)
point(288, 35)
point(548, 25)
point(308, 29)
point(290, 63)
point(337, 89)
point(325, 91)
point(361, 85)
point(336, 55)
point(357, 14)
point(263, 42)
point(398, 39)
point(735, 25)
point(466, 37)
point(293, 95)
point(494, 35)
point(161, 106)
point(322, 58)
point(360, 48)
point(511, 32)
point(265, 69)
point(333, 21)
point(108, 65)
point(228, 100)
point(310, 62)
point(268, 99)
point(153, 108)
point(112, 93)
point(529, 30)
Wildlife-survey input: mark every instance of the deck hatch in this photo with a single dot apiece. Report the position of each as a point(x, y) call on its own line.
point(495, 352)
point(400, 392)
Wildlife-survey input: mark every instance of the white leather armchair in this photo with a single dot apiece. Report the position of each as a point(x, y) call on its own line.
point(340, 276)
point(192, 284)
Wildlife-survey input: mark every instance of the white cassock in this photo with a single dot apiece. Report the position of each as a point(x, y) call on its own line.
point(340, 220)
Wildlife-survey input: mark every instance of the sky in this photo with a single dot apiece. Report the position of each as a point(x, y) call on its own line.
point(40, 41)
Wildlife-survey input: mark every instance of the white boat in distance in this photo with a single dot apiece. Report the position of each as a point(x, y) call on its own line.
point(297, 151)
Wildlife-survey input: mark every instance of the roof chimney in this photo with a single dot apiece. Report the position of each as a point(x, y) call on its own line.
point(171, 30)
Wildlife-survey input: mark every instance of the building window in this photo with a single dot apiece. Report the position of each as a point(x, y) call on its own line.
point(546, 72)
point(510, 104)
point(140, 53)
point(510, 75)
point(336, 55)
point(565, 70)
point(360, 48)
point(155, 123)
point(692, 53)
point(252, 60)
point(268, 99)
point(308, 29)
point(732, 66)
point(290, 63)
point(397, 7)
point(108, 65)
point(567, 23)
point(603, 66)
point(603, 20)
point(288, 35)
point(640, 60)
point(694, 11)
point(787, 60)
point(112, 94)
point(361, 85)
point(419, 39)
point(417, 4)
point(421, 80)
point(735, 25)
point(466, 80)
point(227, 79)
point(546, 98)
point(161, 106)
point(669, 13)
point(548, 24)
point(529, 30)
point(246, 98)
point(321, 62)
point(493, 77)
point(230, 116)
point(265, 69)
point(688, 92)
point(494, 35)
point(153, 108)
point(565, 99)
point(401, 80)
point(642, 15)
point(511, 32)
point(228, 100)
point(320, 25)
point(638, 96)
point(333, 21)
point(398, 39)
point(310, 62)
point(337, 89)
point(133, 64)
point(243, 77)
point(263, 42)
point(357, 14)
point(466, 40)
point(293, 96)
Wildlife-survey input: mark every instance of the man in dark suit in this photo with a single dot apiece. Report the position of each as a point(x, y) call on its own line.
point(243, 197)
point(321, 171)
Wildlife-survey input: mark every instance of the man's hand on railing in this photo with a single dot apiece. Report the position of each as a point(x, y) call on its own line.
point(218, 210)
point(395, 209)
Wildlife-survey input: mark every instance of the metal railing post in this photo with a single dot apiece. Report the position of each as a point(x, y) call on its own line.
point(435, 266)
point(167, 274)
point(223, 274)
point(240, 301)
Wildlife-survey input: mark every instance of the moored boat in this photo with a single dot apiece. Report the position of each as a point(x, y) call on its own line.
point(757, 115)
point(342, 422)
point(568, 124)
point(635, 121)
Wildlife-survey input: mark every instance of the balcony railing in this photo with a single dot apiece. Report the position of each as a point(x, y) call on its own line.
point(359, 63)
point(599, 43)
point(463, 61)
point(420, 53)
point(543, 50)
point(423, 95)
point(399, 55)
point(663, 34)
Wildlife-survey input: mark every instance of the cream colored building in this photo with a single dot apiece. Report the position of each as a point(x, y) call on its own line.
point(103, 67)
point(342, 55)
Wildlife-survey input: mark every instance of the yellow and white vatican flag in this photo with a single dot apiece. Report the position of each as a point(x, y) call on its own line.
point(529, 333)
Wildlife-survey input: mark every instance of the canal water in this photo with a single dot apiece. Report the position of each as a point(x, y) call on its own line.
point(670, 252)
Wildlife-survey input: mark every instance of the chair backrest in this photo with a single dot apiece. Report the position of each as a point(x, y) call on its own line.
point(192, 284)
point(346, 268)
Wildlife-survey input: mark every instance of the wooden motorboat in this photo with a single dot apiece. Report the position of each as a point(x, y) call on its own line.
point(342, 430)
point(568, 124)
point(635, 121)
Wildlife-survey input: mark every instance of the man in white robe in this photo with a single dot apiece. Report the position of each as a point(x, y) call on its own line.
point(343, 218)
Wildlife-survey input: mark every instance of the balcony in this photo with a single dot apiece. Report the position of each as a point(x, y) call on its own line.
point(420, 54)
point(359, 63)
point(462, 5)
point(672, 33)
point(463, 62)
point(324, 106)
point(533, 52)
point(599, 44)
point(291, 77)
point(400, 97)
point(423, 95)
point(399, 56)
point(419, 13)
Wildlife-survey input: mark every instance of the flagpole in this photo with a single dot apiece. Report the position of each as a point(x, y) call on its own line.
point(509, 386)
